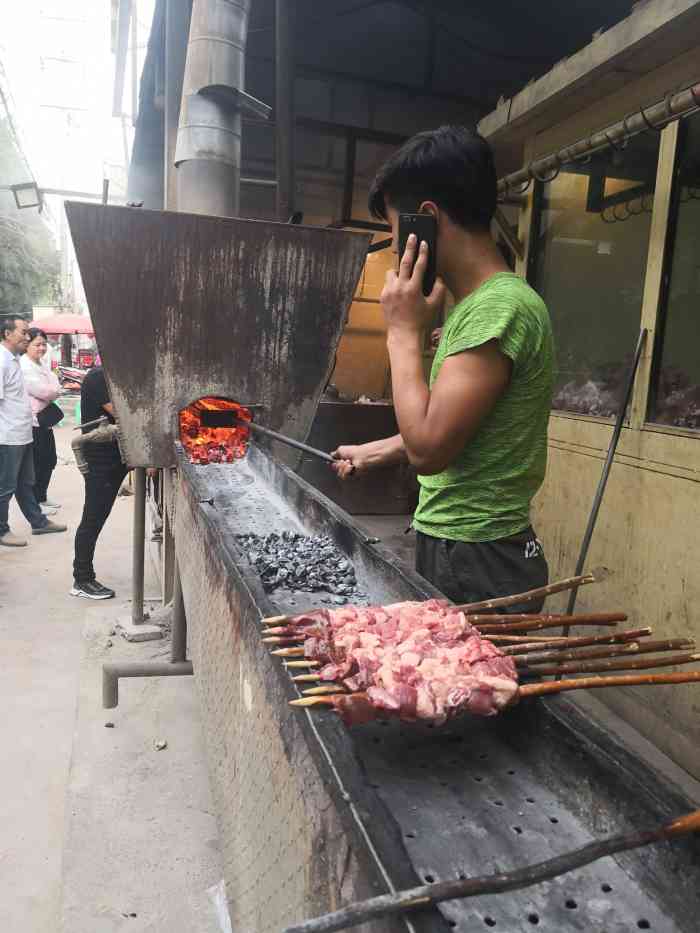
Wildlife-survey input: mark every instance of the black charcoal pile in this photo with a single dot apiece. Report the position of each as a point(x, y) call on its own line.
point(298, 562)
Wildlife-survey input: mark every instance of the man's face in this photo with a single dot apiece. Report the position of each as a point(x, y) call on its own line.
point(17, 340)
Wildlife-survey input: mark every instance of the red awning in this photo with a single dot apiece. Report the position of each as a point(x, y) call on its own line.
point(66, 324)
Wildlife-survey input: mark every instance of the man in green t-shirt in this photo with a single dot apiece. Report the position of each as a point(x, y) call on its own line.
point(477, 434)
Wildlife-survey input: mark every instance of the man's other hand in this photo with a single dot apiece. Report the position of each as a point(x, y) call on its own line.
point(350, 459)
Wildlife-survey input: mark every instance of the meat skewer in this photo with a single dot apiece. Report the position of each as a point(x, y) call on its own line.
point(497, 603)
point(487, 624)
point(530, 595)
point(556, 662)
point(485, 631)
point(532, 690)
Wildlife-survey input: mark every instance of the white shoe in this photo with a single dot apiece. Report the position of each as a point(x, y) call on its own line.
point(50, 505)
point(48, 509)
point(10, 540)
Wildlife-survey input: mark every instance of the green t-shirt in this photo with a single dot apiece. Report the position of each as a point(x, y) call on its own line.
point(485, 493)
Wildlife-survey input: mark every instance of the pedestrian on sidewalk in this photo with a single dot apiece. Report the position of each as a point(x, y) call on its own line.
point(43, 388)
point(16, 454)
point(102, 481)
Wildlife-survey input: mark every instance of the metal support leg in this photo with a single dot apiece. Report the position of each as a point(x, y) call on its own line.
point(134, 628)
point(168, 545)
point(178, 648)
point(112, 671)
point(139, 543)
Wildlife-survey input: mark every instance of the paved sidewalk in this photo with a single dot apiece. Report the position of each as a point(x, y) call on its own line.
point(96, 824)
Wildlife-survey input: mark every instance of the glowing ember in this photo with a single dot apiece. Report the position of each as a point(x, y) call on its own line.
point(213, 444)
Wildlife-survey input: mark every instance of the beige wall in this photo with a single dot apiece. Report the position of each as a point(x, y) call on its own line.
point(648, 536)
point(648, 533)
point(362, 367)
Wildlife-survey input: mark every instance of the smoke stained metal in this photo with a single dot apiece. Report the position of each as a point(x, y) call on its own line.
point(186, 306)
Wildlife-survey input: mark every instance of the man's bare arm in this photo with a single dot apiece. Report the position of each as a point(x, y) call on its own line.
point(437, 423)
point(368, 456)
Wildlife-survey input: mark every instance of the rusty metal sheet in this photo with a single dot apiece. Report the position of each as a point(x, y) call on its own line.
point(186, 305)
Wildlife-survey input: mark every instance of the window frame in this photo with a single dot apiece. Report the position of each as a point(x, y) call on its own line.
point(655, 288)
point(661, 321)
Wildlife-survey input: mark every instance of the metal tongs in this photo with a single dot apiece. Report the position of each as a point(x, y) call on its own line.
point(225, 418)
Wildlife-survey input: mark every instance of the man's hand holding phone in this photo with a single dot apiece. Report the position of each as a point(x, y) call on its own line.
point(406, 309)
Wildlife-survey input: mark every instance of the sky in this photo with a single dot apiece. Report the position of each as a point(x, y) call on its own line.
point(60, 70)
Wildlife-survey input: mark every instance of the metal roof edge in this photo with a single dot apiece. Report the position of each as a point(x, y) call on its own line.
point(561, 90)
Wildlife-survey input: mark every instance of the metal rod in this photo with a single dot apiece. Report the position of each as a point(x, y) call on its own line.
point(656, 116)
point(178, 646)
point(123, 18)
point(134, 62)
point(105, 190)
point(284, 109)
point(139, 539)
point(602, 483)
point(268, 432)
point(113, 670)
point(103, 419)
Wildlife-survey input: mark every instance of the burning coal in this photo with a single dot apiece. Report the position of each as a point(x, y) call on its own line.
point(205, 440)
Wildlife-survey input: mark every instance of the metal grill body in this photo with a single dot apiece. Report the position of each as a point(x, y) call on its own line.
point(186, 305)
point(313, 815)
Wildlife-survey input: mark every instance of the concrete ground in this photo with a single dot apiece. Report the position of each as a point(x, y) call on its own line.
point(100, 831)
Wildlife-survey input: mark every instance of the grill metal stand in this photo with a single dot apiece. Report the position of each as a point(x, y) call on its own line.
point(135, 628)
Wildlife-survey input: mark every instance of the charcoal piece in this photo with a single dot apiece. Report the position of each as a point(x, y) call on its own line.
point(302, 563)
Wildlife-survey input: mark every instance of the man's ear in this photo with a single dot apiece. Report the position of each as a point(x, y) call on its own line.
point(429, 207)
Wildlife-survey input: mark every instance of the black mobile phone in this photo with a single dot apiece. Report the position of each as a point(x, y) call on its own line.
point(425, 228)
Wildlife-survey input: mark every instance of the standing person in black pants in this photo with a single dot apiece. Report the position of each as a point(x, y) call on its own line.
point(102, 482)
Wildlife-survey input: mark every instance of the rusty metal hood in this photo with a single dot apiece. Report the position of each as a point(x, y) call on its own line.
point(186, 305)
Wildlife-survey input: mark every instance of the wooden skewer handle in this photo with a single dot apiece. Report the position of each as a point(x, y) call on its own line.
point(618, 680)
point(402, 902)
point(591, 618)
point(604, 651)
point(583, 641)
point(622, 664)
point(500, 628)
point(530, 595)
point(577, 654)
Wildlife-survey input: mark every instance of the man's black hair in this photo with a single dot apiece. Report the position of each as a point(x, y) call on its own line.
point(452, 166)
point(8, 322)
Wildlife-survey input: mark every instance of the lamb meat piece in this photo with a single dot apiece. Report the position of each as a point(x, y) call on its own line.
point(470, 676)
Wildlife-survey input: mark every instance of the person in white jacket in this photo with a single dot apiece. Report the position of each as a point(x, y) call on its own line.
point(43, 388)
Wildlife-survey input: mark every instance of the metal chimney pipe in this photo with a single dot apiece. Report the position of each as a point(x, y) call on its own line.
point(208, 150)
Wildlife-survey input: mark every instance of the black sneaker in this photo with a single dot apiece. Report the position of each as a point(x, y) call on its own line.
point(92, 590)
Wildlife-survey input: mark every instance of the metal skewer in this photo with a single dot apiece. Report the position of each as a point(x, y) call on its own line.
point(283, 439)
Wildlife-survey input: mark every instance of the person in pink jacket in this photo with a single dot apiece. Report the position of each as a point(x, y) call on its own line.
point(43, 388)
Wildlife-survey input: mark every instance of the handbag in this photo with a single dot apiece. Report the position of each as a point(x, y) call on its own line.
point(50, 416)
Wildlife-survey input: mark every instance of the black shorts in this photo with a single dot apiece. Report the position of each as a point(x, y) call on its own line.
point(469, 572)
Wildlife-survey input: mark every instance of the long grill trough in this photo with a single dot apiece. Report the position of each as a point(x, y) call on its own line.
point(313, 813)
